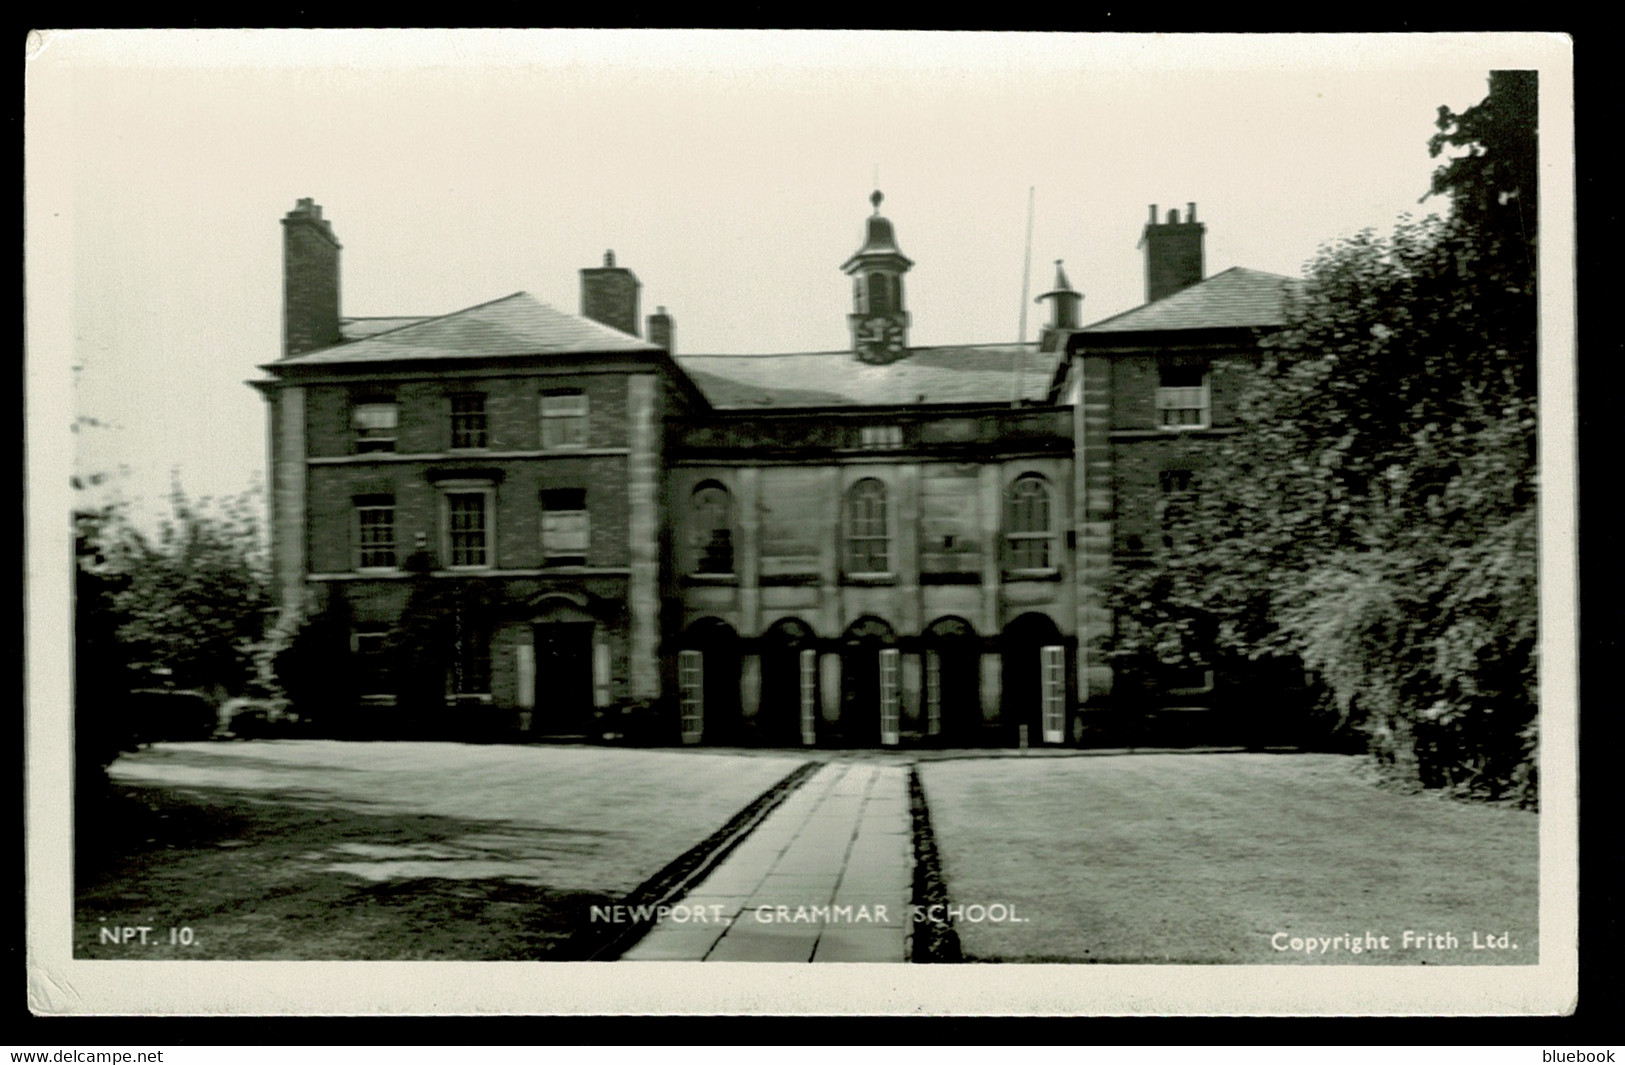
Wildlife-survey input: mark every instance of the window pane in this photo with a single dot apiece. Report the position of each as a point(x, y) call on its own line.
point(374, 425)
point(372, 663)
point(468, 541)
point(712, 530)
point(564, 532)
point(468, 423)
point(564, 420)
point(375, 416)
point(866, 527)
point(471, 660)
point(376, 534)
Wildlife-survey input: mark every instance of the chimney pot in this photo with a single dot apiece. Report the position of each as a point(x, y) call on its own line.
point(310, 280)
point(609, 295)
point(1153, 214)
point(660, 329)
point(1174, 258)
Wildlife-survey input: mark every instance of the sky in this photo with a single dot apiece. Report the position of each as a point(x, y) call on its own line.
point(730, 171)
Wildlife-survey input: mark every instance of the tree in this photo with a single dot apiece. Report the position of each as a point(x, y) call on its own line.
point(1375, 517)
point(101, 678)
point(195, 595)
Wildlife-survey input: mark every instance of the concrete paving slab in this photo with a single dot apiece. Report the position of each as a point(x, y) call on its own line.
point(861, 944)
point(676, 943)
point(843, 839)
point(766, 942)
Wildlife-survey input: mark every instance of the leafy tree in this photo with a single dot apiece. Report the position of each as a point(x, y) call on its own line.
point(1375, 517)
point(101, 680)
point(195, 595)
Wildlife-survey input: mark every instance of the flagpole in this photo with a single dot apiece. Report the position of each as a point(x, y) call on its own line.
point(1026, 281)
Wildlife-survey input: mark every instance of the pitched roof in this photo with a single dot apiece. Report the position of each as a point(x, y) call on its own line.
point(1236, 298)
point(515, 325)
point(362, 328)
point(979, 373)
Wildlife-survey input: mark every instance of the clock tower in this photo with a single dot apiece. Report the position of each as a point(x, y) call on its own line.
point(878, 321)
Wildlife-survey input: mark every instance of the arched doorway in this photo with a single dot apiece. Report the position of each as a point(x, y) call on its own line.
point(952, 686)
point(708, 683)
point(871, 686)
point(1033, 676)
point(788, 716)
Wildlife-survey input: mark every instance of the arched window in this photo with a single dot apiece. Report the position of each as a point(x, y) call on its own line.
point(867, 544)
point(713, 529)
point(1028, 527)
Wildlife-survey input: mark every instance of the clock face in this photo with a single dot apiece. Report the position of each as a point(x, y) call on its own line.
point(880, 336)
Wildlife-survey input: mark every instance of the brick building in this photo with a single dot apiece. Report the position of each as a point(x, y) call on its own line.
point(881, 545)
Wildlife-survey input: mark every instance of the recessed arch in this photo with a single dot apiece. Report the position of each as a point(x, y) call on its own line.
point(870, 683)
point(951, 661)
point(708, 682)
point(1034, 676)
point(788, 716)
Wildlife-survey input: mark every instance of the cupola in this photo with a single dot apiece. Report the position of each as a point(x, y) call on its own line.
point(878, 320)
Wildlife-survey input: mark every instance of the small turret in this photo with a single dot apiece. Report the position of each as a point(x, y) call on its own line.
point(878, 320)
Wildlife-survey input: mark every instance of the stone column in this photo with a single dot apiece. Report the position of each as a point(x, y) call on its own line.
point(907, 559)
point(911, 693)
point(643, 534)
point(600, 668)
point(992, 686)
point(750, 685)
point(748, 552)
point(990, 506)
point(1092, 500)
point(288, 496)
point(832, 612)
point(829, 683)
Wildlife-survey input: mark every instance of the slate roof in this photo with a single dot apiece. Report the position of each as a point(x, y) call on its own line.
point(978, 373)
point(1236, 298)
point(515, 325)
point(362, 328)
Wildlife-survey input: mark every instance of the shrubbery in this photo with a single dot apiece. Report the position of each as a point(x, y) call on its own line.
point(1375, 518)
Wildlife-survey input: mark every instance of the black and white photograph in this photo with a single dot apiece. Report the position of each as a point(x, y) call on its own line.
point(1021, 523)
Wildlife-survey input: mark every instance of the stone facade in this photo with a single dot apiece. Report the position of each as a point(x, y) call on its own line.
point(533, 523)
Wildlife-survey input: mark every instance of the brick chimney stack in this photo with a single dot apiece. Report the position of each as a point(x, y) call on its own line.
point(609, 294)
point(661, 330)
point(1173, 253)
point(310, 280)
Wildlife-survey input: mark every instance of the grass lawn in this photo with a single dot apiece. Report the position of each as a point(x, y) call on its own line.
point(1202, 858)
point(309, 849)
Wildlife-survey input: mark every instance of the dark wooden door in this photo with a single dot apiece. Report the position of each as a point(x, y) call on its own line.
point(563, 677)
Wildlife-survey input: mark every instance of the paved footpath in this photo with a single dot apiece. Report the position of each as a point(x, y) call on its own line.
point(831, 870)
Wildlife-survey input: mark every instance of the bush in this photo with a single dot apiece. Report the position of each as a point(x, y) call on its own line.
point(249, 719)
point(158, 715)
